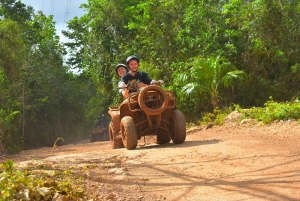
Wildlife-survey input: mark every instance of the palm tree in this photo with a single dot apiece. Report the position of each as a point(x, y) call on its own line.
point(206, 75)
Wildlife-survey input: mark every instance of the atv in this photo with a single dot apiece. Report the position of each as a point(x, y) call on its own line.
point(98, 134)
point(149, 111)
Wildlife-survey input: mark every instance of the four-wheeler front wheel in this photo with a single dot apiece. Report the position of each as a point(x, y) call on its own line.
point(179, 131)
point(128, 132)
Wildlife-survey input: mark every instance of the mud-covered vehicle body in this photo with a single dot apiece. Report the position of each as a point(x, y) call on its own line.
point(149, 111)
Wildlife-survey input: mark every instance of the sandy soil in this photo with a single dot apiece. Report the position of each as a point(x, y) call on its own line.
point(231, 162)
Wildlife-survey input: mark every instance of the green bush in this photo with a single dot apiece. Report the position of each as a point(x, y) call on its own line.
point(273, 111)
point(16, 184)
point(216, 116)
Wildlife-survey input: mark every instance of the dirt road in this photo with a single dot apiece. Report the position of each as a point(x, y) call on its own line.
point(245, 162)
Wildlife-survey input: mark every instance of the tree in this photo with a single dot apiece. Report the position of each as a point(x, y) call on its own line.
point(203, 76)
point(40, 99)
point(15, 10)
point(265, 41)
point(12, 54)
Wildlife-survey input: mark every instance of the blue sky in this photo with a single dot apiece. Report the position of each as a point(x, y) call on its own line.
point(62, 10)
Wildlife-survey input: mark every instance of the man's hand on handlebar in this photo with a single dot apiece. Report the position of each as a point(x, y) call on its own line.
point(158, 82)
point(136, 85)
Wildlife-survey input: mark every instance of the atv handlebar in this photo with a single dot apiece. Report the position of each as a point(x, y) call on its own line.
point(134, 85)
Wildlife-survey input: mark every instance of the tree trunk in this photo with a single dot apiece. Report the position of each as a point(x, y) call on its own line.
point(214, 99)
point(2, 149)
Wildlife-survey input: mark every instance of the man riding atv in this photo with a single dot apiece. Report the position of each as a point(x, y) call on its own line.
point(135, 78)
point(99, 131)
point(101, 121)
point(147, 110)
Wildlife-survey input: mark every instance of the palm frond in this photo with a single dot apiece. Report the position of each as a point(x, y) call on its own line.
point(232, 77)
point(189, 88)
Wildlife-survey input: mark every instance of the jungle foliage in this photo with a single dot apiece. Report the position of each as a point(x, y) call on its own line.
point(42, 182)
point(40, 99)
point(212, 54)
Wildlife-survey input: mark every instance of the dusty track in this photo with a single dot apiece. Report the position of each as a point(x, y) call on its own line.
point(249, 162)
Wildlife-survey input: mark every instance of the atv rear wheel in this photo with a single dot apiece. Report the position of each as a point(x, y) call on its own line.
point(179, 133)
point(153, 100)
point(115, 139)
point(128, 132)
point(162, 138)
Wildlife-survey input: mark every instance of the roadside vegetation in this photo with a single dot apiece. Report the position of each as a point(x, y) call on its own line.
point(45, 182)
point(273, 111)
point(42, 182)
point(270, 112)
point(216, 56)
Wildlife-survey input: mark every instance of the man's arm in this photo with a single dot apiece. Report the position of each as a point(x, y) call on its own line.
point(145, 78)
point(148, 80)
point(125, 93)
point(122, 89)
